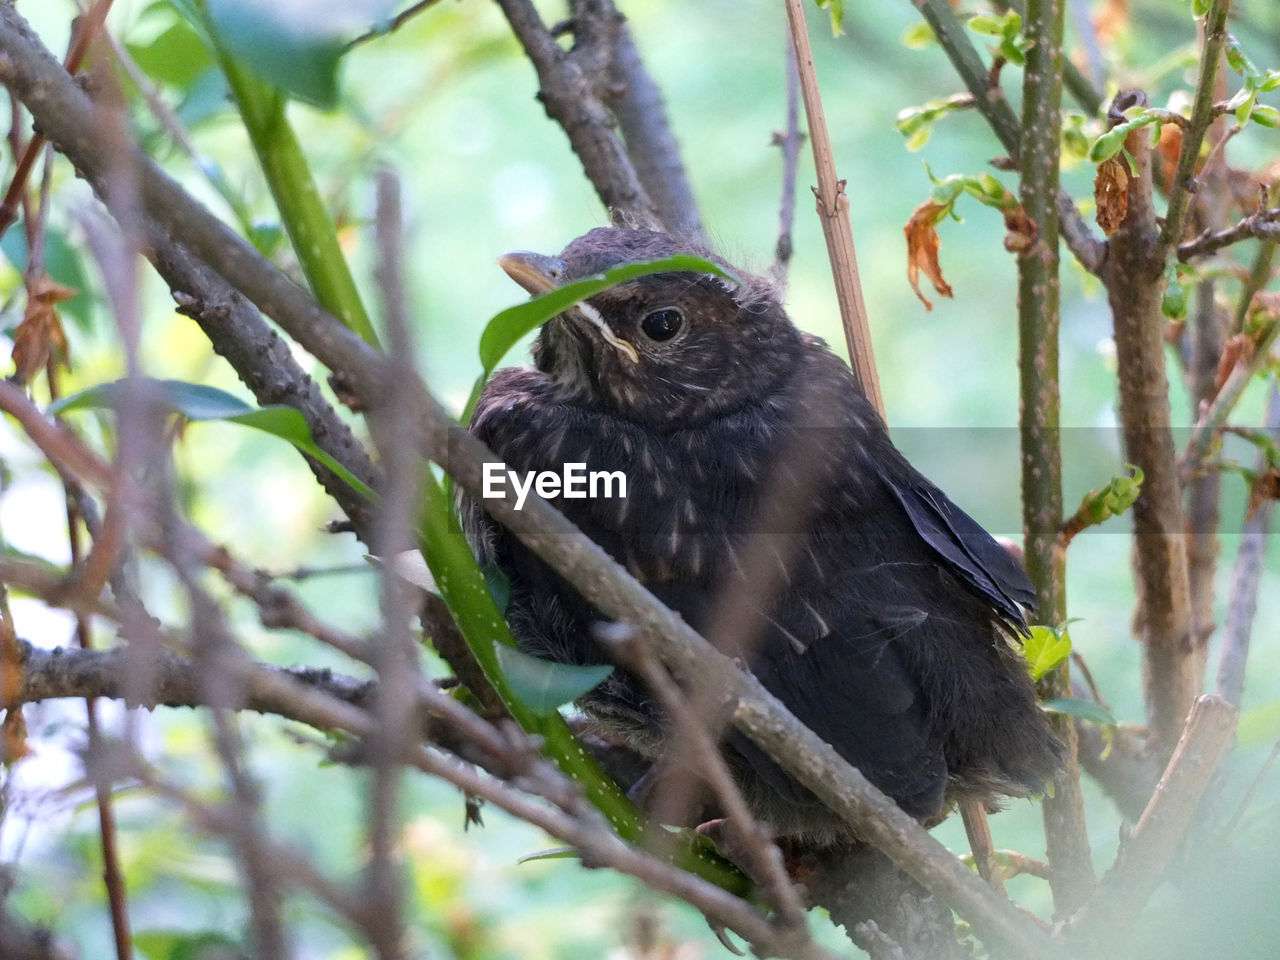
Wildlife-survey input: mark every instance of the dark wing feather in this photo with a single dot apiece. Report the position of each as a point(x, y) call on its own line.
point(971, 552)
point(853, 690)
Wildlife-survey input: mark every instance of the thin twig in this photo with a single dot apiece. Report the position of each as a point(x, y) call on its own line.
point(1215, 415)
point(1243, 601)
point(1143, 860)
point(1066, 834)
point(1259, 276)
point(789, 140)
point(696, 744)
point(833, 213)
point(85, 30)
point(1180, 191)
point(394, 24)
point(1263, 225)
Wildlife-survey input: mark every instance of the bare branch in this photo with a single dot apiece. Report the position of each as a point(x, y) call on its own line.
point(1180, 191)
point(1243, 601)
point(1135, 289)
point(651, 144)
point(1143, 860)
point(789, 140)
point(569, 95)
point(1215, 415)
point(1066, 835)
point(833, 212)
point(1263, 225)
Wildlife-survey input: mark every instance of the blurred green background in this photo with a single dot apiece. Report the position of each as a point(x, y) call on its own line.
point(448, 101)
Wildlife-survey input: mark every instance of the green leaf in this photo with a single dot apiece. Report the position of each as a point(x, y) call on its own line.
point(499, 586)
point(918, 36)
point(555, 853)
point(1246, 108)
point(1199, 8)
point(176, 56)
point(835, 8)
point(196, 401)
point(187, 945)
point(989, 25)
point(295, 45)
point(505, 330)
point(1265, 116)
point(1045, 649)
point(1088, 710)
point(544, 686)
point(1174, 303)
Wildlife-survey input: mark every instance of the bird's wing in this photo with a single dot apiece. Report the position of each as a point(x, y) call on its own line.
point(970, 552)
point(853, 689)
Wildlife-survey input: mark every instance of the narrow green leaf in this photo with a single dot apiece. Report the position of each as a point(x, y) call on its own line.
point(505, 330)
point(544, 686)
point(1088, 710)
point(196, 401)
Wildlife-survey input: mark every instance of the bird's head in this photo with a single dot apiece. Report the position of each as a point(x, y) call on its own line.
point(666, 349)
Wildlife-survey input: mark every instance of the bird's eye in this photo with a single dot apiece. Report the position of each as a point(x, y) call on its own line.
point(662, 324)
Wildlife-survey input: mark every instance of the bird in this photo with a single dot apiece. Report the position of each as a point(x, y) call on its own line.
point(892, 621)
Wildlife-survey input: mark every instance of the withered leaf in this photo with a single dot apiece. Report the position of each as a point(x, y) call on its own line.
point(1111, 193)
point(40, 336)
point(1111, 21)
point(1265, 487)
point(922, 250)
point(1022, 230)
point(1238, 349)
point(1167, 150)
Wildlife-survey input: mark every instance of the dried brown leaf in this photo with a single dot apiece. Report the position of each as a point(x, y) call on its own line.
point(40, 336)
point(922, 250)
point(1022, 230)
point(1111, 193)
point(1265, 487)
point(1167, 150)
point(1238, 349)
point(1111, 21)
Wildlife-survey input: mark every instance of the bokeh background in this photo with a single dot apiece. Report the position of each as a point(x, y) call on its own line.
point(448, 101)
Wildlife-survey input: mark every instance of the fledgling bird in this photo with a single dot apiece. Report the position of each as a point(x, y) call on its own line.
point(891, 630)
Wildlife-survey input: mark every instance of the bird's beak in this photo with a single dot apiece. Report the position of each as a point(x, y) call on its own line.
point(535, 272)
point(541, 274)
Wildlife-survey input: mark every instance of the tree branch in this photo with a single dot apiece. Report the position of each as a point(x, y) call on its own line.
point(1263, 225)
point(569, 95)
point(1038, 321)
point(651, 144)
point(1180, 191)
point(1243, 601)
point(991, 103)
point(1133, 278)
point(1146, 856)
point(833, 212)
